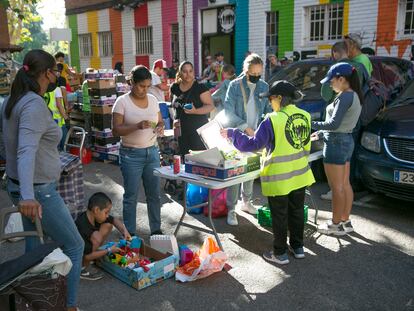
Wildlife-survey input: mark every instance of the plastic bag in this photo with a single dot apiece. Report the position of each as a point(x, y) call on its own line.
point(219, 207)
point(206, 261)
point(196, 195)
point(56, 263)
point(14, 225)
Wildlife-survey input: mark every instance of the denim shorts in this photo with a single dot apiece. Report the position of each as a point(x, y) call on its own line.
point(337, 147)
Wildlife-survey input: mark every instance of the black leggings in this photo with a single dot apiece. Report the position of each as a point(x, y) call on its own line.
point(287, 212)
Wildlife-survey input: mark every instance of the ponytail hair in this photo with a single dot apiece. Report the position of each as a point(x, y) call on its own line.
point(355, 84)
point(35, 63)
point(178, 77)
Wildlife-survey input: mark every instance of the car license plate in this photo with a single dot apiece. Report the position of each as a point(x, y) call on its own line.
point(404, 177)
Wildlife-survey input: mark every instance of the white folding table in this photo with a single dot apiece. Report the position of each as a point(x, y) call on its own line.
point(212, 184)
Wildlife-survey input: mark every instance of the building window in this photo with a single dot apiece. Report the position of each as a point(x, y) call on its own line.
point(409, 18)
point(175, 47)
point(325, 22)
point(85, 45)
point(272, 21)
point(105, 44)
point(143, 41)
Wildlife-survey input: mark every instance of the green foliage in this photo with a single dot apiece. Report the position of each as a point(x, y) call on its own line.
point(37, 38)
point(21, 14)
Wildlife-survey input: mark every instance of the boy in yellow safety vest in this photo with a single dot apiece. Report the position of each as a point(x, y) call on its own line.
point(285, 172)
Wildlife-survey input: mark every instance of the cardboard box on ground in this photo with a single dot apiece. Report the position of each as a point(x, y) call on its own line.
point(163, 266)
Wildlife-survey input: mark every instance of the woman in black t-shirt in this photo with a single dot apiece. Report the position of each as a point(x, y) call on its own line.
point(187, 90)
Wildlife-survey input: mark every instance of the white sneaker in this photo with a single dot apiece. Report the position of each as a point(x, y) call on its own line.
point(327, 196)
point(330, 228)
point(348, 226)
point(248, 208)
point(232, 218)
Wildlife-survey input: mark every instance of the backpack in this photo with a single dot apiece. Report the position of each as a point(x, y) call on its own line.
point(375, 96)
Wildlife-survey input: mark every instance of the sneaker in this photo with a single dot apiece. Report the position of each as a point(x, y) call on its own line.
point(232, 218)
point(280, 259)
point(248, 208)
point(331, 228)
point(299, 253)
point(348, 226)
point(157, 232)
point(91, 274)
point(327, 196)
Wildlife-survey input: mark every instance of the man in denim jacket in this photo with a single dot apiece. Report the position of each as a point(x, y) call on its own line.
point(244, 109)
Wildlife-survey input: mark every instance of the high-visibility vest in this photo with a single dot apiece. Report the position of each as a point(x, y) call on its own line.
point(51, 104)
point(286, 168)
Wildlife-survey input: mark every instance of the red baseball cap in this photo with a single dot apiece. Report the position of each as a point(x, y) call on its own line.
point(159, 63)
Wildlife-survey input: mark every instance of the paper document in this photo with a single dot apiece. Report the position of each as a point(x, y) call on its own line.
point(210, 135)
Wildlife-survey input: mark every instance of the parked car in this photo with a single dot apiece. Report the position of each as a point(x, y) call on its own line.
point(385, 158)
point(306, 75)
point(395, 73)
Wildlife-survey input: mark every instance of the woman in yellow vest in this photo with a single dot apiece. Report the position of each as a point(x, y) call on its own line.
point(285, 172)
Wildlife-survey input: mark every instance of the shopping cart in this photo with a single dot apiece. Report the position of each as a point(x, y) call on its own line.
point(71, 186)
point(19, 288)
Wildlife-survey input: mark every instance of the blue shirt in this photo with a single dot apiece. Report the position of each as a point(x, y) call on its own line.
point(234, 103)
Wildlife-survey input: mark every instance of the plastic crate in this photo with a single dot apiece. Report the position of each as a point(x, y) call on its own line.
point(264, 216)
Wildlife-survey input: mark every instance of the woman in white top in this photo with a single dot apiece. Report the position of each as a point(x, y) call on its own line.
point(137, 119)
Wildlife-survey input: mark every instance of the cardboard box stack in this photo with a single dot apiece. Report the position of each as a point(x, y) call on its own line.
point(102, 92)
point(75, 108)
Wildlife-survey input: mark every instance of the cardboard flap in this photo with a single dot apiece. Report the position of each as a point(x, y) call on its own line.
point(210, 157)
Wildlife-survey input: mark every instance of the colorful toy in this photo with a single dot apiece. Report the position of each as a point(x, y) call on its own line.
point(186, 255)
point(128, 256)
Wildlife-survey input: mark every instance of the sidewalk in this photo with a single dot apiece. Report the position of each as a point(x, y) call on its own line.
point(371, 269)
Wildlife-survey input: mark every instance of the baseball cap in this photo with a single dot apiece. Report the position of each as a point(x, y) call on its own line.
point(356, 38)
point(159, 63)
point(338, 70)
point(283, 88)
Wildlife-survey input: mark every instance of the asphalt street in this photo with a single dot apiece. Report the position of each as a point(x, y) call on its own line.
point(371, 269)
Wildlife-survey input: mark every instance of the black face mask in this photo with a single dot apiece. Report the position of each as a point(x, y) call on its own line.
point(254, 79)
point(51, 87)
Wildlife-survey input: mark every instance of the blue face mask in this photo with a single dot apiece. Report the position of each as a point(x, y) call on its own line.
point(254, 79)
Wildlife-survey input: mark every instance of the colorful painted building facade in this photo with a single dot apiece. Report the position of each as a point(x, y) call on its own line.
point(143, 31)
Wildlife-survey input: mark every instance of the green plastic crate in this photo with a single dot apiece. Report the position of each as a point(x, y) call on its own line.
point(264, 216)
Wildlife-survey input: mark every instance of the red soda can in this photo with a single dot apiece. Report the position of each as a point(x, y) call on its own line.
point(177, 164)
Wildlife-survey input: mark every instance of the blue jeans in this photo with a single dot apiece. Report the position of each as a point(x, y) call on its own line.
point(337, 148)
point(59, 226)
point(233, 194)
point(64, 133)
point(137, 164)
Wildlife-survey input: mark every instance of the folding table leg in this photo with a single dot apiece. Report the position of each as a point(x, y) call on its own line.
point(312, 201)
point(210, 207)
point(184, 210)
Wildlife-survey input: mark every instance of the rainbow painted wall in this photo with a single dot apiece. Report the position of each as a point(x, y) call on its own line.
point(376, 20)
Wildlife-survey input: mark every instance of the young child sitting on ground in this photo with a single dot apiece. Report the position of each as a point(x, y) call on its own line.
point(94, 226)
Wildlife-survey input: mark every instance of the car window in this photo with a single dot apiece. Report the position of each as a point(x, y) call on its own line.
point(394, 74)
point(306, 77)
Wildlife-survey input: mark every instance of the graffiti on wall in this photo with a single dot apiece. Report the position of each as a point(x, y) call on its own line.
point(404, 51)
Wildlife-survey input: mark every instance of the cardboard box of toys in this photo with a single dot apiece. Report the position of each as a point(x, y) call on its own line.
point(222, 160)
point(138, 265)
